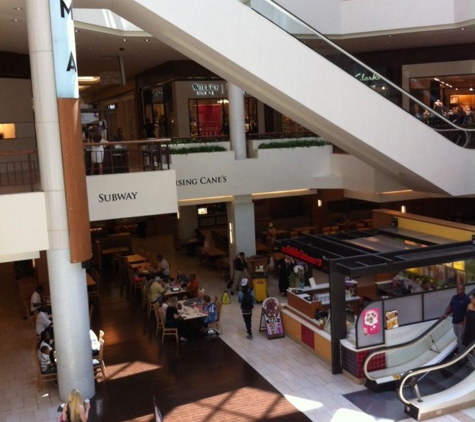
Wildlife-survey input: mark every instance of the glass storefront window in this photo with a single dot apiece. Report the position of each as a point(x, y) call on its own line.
point(453, 96)
point(210, 117)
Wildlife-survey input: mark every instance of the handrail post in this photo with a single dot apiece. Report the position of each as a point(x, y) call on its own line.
point(30, 172)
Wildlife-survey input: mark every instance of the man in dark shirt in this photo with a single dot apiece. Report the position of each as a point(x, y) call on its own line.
point(458, 307)
point(240, 270)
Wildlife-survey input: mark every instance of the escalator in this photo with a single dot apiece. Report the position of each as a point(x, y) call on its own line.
point(383, 368)
point(441, 388)
point(305, 83)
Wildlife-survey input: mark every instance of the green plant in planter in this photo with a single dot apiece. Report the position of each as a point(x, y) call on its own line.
point(193, 150)
point(293, 279)
point(184, 141)
point(292, 144)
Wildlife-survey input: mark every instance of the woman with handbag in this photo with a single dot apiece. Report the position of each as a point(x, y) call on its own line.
point(76, 409)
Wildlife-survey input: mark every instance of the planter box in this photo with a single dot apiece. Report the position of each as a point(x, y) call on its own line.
point(224, 144)
point(253, 145)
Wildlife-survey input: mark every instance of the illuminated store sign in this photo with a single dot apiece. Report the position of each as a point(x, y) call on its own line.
point(301, 255)
point(362, 77)
point(208, 89)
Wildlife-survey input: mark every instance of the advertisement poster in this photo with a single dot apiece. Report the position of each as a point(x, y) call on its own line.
point(371, 321)
point(271, 313)
point(392, 319)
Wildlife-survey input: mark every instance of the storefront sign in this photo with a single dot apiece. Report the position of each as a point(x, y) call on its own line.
point(273, 320)
point(204, 180)
point(302, 256)
point(125, 196)
point(363, 77)
point(208, 89)
point(64, 50)
point(131, 194)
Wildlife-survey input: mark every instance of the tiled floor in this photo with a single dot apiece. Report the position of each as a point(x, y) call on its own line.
point(302, 378)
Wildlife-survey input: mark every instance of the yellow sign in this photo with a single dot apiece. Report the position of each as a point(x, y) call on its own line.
point(225, 298)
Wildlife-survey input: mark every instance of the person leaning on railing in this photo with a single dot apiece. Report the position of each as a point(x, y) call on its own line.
point(97, 152)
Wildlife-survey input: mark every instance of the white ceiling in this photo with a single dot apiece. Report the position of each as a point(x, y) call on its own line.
point(97, 51)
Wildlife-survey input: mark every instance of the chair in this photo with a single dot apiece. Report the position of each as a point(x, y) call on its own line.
point(157, 311)
point(98, 362)
point(134, 285)
point(166, 331)
point(217, 324)
point(40, 376)
point(30, 318)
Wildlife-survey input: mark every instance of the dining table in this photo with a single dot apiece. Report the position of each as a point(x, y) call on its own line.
point(144, 265)
point(189, 310)
point(174, 291)
point(134, 259)
point(304, 229)
point(213, 252)
point(261, 248)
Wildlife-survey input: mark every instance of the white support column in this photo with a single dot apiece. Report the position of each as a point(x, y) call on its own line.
point(236, 121)
point(241, 218)
point(67, 281)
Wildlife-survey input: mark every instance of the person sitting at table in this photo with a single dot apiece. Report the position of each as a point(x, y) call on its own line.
point(163, 267)
point(181, 279)
point(156, 290)
point(95, 344)
point(192, 286)
point(172, 318)
point(47, 367)
point(200, 297)
point(210, 308)
point(163, 308)
point(44, 323)
point(37, 300)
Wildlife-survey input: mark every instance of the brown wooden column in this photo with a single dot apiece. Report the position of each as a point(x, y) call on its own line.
point(74, 179)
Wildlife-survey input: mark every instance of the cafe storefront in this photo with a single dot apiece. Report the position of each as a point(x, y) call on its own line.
point(361, 268)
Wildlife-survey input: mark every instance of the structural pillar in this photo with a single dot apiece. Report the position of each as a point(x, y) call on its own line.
point(242, 226)
point(237, 129)
point(67, 280)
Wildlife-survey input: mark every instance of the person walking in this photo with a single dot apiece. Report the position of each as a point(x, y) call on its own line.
point(76, 409)
point(247, 301)
point(458, 308)
point(240, 270)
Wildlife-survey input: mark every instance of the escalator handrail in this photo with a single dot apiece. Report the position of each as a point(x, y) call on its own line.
point(426, 369)
point(404, 345)
point(344, 52)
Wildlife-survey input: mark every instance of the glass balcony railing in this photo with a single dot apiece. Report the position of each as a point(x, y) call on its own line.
point(460, 134)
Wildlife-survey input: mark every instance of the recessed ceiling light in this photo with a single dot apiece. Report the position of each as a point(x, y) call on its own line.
point(146, 40)
point(14, 20)
point(17, 8)
point(462, 29)
point(125, 40)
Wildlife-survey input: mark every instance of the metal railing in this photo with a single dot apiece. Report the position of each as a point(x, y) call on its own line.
point(19, 169)
point(127, 156)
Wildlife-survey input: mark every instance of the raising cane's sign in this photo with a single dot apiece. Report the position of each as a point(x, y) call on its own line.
point(301, 255)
